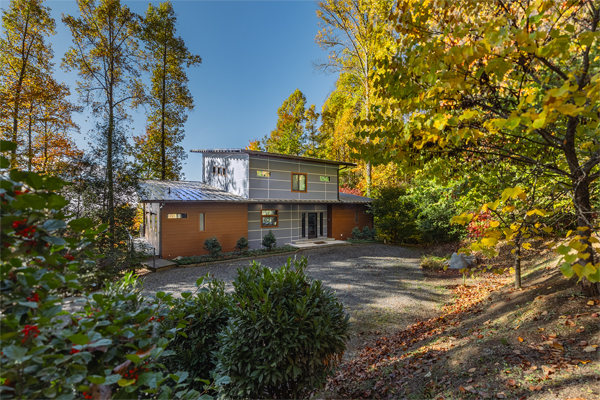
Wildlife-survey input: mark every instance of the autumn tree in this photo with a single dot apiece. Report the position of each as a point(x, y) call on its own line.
point(289, 137)
point(106, 58)
point(311, 116)
point(52, 149)
point(25, 63)
point(514, 81)
point(355, 32)
point(170, 100)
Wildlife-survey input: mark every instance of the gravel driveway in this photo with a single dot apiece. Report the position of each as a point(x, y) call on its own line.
point(382, 286)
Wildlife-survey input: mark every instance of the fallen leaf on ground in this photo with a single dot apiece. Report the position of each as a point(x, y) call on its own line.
point(500, 395)
point(470, 389)
point(589, 349)
point(535, 388)
point(511, 382)
point(570, 322)
point(520, 339)
point(590, 303)
point(547, 370)
point(472, 370)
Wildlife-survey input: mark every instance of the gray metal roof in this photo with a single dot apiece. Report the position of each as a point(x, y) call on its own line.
point(155, 191)
point(167, 191)
point(273, 155)
point(352, 198)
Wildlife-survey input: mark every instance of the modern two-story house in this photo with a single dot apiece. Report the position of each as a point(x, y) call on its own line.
point(247, 193)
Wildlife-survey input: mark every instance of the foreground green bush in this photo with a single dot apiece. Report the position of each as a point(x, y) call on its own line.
point(284, 336)
point(99, 345)
point(208, 312)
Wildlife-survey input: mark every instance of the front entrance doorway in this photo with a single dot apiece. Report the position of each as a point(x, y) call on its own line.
point(312, 225)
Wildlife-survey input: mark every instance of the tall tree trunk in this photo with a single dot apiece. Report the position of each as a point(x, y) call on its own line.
point(29, 151)
point(162, 116)
point(109, 140)
point(581, 202)
point(367, 106)
point(583, 208)
point(45, 167)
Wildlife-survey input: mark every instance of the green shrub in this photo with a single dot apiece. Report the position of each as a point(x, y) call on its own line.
point(213, 246)
point(207, 311)
point(53, 348)
point(366, 233)
point(421, 213)
point(242, 244)
point(284, 336)
point(269, 240)
point(396, 215)
point(357, 233)
point(432, 262)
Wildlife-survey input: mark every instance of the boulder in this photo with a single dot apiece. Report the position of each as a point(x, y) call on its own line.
point(457, 261)
point(470, 260)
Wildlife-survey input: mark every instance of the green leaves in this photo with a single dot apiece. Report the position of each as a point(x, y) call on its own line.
point(79, 339)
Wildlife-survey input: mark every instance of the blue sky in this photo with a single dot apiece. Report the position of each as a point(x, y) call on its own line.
point(254, 55)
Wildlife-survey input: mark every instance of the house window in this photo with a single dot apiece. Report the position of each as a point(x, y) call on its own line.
point(298, 182)
point(321, 224)
point(201, 222)
point(224, 172)
point(269, 219)
point(263, 174)
point(303, 224)
point(176, 216)
point(325, 178)
point(219, 171)
point(214, 170)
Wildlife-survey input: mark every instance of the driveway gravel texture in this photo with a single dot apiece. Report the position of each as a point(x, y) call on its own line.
point(382, 286)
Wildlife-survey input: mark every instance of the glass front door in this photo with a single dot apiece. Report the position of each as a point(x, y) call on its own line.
point(312, 225)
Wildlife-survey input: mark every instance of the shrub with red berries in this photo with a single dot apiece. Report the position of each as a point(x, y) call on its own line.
point(54, 348)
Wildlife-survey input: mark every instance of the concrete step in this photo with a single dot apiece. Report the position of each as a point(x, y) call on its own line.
point(319, 239)
point(158, 264)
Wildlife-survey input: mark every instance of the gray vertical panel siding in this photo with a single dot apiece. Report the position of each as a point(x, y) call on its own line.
point(279, 184)
point(290, 222)
point(236, 181)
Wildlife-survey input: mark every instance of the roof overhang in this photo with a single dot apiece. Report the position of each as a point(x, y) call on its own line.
point(258, 153)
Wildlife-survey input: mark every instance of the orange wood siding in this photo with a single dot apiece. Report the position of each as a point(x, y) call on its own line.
point(343, 219)
point(182, 236)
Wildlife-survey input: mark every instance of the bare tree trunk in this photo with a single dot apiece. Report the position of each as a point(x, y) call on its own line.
point(583, 208)
point(29, 151)
point(163, 168)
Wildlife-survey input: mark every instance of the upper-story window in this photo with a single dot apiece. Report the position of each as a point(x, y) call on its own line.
point(219, 170)
point(263, 174)
point(214, 169)
point(298, 182)
point(224, 171)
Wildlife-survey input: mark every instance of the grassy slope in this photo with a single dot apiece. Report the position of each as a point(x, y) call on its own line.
point(491, 341)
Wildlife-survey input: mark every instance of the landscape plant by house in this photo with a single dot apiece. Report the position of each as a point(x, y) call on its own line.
point(232, 255)
point(242, 244)
point(213, 246)
point(285, 334)
point(98, 345)
point(357, 233)
point(269, 240)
